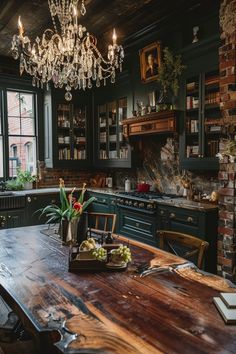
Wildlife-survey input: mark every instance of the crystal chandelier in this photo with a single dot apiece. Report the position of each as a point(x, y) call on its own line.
point(68, 55)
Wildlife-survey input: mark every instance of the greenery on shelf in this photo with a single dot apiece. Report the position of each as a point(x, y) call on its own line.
point(25, 176)
point(169, 72)
point(14, 185)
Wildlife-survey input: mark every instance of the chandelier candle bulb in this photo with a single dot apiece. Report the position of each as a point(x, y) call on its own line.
point(20, 27)
point(114, 36)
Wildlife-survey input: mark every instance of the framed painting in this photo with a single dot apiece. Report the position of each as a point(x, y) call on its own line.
point(150, 61)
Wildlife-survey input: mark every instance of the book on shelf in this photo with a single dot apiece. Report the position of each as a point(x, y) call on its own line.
point(192, 102)
point(229, 299)
point(213, 148)
point(191, 86)
point(228, 314)
point(194, 126)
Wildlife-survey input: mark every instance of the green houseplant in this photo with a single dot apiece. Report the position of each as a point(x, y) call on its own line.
point(26, 178)
point(169, 75)
point(69, 213)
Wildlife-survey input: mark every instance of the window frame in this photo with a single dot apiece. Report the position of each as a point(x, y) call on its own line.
point(24, 86)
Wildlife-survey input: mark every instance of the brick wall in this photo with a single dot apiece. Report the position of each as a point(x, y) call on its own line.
point(227, 173)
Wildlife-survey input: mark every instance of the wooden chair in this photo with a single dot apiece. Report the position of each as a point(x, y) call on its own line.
point(102, 221)
point(191, 246)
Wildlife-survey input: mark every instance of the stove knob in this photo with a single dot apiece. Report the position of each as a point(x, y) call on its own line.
point(141, 205)
point(136, 204)
point(130, 203)
point(150, 206)
point(127, 202)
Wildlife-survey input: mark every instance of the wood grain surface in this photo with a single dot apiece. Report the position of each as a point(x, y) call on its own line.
point(111, 312)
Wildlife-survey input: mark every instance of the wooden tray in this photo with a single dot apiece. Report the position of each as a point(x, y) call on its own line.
point(84, 261)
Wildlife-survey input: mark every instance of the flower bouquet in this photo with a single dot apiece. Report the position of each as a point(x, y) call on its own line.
point(70, 214)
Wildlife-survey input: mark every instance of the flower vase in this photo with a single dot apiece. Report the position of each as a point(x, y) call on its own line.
point(71, 238)
point(63, 230)
point(82, 228)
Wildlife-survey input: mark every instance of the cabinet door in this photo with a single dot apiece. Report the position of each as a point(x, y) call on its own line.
point(15, 218)
point(111, 149)
point(36, 202)
point(137, 225)
point(3, 220)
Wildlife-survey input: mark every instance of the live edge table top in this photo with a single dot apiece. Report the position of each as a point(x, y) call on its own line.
point(111, 312)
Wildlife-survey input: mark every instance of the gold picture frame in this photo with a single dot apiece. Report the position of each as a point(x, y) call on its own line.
point(150, 61)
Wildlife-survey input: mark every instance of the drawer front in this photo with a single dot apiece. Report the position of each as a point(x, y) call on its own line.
point(137, 226)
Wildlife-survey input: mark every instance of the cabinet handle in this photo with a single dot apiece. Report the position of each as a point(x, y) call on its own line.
point(113, 202)
point(9, 216)
point(29, 200)
point(190, 219)
point(172, 215)
point(53, 201)
point(137, 224)
point(35, 198)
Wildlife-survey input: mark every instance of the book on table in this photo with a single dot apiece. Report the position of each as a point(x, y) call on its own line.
point(228, 314)
point(229, 299)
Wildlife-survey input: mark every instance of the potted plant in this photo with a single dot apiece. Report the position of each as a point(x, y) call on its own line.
point(70, 214)
point(14, 185)
point(169, 74)
point(26, 178)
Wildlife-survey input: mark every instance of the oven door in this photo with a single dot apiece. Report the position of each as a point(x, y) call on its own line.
point(137, 224)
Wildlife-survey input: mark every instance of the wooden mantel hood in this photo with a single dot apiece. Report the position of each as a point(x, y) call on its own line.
point(153, 123)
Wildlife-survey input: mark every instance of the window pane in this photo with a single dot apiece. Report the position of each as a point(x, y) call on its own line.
point(27, 126)
point(26, 105)
point(22, 153)
point(13, 126)
point(1, 157)
point(13, 103)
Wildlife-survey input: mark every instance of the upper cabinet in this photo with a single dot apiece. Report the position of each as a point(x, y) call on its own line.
point(111, 147)
point(203, 123)
point(67, 126)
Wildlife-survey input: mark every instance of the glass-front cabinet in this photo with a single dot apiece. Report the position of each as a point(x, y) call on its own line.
point(71, 132)
point(112, 148)
point(68, 124)
point(203, 122)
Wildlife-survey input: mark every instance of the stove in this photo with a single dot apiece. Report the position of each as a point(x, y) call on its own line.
point(142, 201)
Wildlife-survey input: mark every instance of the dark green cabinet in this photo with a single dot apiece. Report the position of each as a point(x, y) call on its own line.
point(202, 224)
point(67, 135)
point(202, 126)
point(137, 225)
point(12, 218)
point(34, 202)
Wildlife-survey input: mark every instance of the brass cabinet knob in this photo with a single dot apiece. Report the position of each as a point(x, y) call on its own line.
point(172, 215)
point(29, 199)
point(190, 219)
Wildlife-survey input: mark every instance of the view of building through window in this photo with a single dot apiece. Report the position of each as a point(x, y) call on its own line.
point(21, 132)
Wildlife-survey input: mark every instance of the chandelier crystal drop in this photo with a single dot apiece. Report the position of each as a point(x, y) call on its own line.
point(67, 55)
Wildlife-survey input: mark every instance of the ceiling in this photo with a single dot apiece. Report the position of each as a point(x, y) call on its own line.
point(127, 16)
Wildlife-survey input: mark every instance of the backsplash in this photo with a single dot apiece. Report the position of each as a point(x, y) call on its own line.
point(161, 168)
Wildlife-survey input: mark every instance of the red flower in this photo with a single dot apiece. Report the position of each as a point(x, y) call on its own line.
point(77, 206)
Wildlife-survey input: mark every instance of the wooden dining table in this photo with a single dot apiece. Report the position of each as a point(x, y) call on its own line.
point(122, 312)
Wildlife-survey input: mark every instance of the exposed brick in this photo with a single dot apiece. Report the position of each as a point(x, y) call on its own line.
point(227, 191)
point(226, 215)
point(224, 63)
point(223, 176)
point(225, 231)
point(228, 80)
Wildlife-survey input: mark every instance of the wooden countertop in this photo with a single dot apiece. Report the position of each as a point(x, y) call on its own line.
point(110, 312)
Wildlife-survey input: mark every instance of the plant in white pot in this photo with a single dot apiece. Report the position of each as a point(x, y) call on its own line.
point(26, 178)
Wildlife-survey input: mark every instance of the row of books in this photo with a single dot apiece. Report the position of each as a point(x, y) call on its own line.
point(213, 97)
point(65, 154)
point(192, 102)
point(192, 151)
point(213, 147)
point(226, 305)
point(192, 126)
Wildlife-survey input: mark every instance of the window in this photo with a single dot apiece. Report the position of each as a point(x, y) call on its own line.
point(21, 131)
point(1, 143)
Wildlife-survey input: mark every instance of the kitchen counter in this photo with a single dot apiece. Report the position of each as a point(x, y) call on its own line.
point(111, 312)
point(176, 202)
